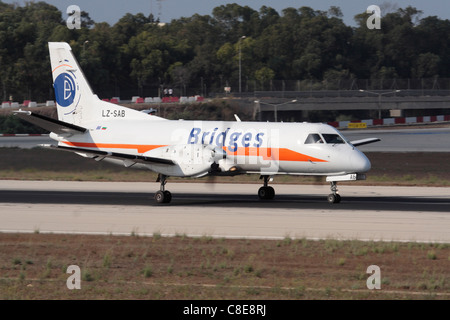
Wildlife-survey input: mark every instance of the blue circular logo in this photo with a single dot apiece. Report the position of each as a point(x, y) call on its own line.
point(65, 89)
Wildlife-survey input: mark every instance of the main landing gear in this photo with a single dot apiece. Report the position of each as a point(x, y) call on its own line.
point(266, 192)
point(162, 196)
point(334, 197)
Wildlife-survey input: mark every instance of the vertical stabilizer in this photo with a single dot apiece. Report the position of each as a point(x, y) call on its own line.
point(72, 91)
point(76, 102)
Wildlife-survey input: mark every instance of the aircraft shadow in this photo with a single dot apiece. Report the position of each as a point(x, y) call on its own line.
point(418, 204)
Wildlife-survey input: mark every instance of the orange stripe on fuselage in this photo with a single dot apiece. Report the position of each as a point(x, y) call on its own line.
point(139, 147)
point(280, 154)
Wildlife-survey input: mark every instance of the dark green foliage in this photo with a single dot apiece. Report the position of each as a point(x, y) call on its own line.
point(11, 124)
point(200, 54)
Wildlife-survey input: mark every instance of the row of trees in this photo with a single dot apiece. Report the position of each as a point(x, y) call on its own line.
point(137, 55)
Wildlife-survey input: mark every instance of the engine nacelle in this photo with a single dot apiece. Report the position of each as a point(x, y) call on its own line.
point(191, 160)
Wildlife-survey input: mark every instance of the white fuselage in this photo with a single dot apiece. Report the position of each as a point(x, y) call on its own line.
point(251, 147)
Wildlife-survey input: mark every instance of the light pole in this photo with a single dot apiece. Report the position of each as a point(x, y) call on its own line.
point(84, 46)
point(379, 98)
point(239, 44)
point(275, 106)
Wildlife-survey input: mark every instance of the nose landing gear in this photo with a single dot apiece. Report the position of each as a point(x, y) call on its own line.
point(334, 197)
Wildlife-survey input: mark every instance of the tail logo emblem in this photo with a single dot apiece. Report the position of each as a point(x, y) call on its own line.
point(65, 89)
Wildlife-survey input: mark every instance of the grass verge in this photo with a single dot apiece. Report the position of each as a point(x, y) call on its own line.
point(34, 266)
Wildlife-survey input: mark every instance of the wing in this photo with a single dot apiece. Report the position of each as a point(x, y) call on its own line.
point(99, 155)
point(364, 141)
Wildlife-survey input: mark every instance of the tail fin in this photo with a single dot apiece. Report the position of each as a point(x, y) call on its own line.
point(72, 92)
point(76, 102)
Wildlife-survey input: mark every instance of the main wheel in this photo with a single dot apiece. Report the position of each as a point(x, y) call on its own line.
point(167, 196)
point(334, 198)
point(160, 196)
point(266, 193)
point(163, 196)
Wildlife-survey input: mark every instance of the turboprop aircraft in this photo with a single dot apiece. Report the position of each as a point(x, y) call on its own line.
point(101, 130)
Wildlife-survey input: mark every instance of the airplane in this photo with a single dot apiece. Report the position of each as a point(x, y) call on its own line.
point(99, 130)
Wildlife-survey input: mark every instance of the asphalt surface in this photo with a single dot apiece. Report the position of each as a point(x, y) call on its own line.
point(403, 140)
point(226, 210)
point(24, 142)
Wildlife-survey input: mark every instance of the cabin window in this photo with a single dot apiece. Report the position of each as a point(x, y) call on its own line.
point(333, 138)
point(313, 138)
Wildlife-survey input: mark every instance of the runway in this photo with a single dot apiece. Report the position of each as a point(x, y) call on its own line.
point(226, 210)
point(24, 142)
point(403, 140)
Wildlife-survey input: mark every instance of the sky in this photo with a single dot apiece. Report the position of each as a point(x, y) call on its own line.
point(112, 10)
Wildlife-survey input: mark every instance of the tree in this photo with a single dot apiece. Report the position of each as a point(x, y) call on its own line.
point(180, 76)
point(433, 36)
point(427, 65)
point(225, 55)
point(138, 54)
point(264, 75)
point(235, 20)
point(335, 12)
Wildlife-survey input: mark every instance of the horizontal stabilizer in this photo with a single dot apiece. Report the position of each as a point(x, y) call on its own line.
point(114, 155)
point(50, 124)
point(364, 141)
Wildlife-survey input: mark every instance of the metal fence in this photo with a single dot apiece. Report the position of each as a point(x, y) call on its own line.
point(348, 84)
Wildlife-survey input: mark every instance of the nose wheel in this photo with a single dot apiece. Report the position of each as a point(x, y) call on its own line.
point(162, 196)
point(334, 197)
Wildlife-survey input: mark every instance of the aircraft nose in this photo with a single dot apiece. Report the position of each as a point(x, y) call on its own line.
point(360, 163)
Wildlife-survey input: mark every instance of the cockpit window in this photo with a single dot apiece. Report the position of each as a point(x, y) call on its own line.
point(332, 138)
point(313, 138)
